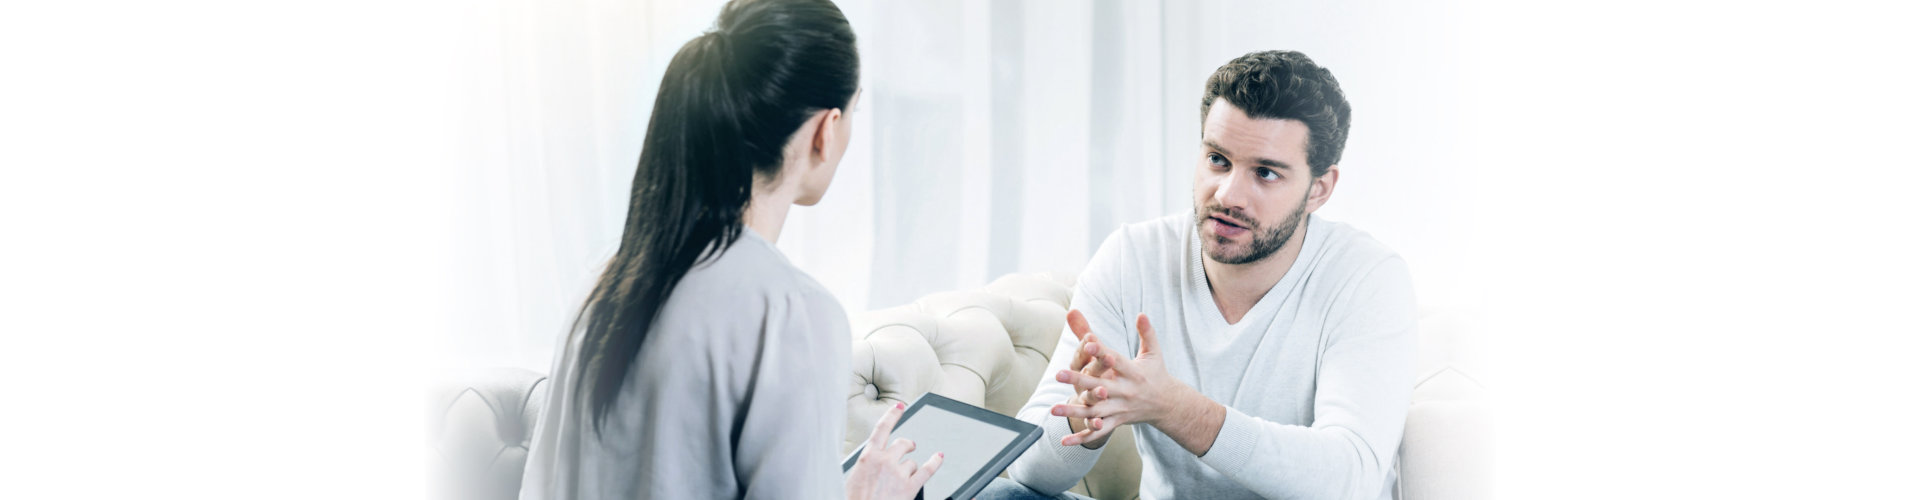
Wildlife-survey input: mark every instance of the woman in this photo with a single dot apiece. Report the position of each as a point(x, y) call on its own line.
point(703, 364)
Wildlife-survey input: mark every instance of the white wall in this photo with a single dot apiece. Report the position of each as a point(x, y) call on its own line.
point(993, 137)
point(231, 232)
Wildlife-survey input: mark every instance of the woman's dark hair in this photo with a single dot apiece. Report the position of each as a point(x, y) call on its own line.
point(1286, 85)
point(726, 108)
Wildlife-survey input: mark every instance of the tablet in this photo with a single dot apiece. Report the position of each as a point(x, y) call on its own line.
point(978, 442)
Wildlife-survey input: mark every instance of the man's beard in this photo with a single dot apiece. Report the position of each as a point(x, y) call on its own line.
point(1265, 242)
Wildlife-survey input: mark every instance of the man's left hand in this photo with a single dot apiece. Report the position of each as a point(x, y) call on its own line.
point(1140, 390)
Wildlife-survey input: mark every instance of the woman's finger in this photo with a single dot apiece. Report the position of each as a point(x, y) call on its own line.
point(884, 428)
point(901, 446)
point(925, 472)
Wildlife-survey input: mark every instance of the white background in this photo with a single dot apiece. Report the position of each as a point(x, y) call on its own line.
point(238, 237)
point(992, 137)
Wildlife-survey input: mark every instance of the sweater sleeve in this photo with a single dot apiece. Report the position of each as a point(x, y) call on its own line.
point(798, 380)
point(1048, 467)
point(1364, 385)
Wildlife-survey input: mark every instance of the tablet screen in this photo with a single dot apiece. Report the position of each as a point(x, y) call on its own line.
point(969, 444)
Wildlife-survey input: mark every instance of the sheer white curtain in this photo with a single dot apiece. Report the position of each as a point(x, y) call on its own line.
point(994, 137)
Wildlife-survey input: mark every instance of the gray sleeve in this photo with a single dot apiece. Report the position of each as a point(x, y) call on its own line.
point(784, 447)
point(1048, 467)
point(1360, 403)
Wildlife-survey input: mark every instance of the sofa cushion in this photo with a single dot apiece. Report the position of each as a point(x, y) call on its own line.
point(482, 423)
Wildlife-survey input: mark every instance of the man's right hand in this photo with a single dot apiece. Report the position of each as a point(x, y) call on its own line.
point(1085, 363)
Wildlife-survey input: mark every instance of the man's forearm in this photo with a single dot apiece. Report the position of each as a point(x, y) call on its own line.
point(1194, 422)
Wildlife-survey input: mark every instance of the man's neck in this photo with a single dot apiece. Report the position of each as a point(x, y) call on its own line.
point(1237, 287)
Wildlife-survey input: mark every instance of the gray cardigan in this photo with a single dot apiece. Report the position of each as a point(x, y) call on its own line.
point(738, 392)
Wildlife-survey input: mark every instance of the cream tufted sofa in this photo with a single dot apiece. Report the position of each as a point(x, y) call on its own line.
point(480, 424)
point(986, 347)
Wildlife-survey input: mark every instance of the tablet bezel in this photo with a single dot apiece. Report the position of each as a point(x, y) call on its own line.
point(1027, 434)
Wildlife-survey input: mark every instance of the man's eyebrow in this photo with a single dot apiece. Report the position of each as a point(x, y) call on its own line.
point(1264, 162)
point(1216, 147)
point(1268, 162)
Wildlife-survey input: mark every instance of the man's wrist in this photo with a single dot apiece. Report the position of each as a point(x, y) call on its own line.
point(1194, 421)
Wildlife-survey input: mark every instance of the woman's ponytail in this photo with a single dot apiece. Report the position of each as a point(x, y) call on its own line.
point(727, 104)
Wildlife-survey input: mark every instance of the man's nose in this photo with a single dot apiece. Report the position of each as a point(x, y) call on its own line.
point(1232, 194)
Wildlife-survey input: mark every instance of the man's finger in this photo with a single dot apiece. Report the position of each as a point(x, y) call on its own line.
point(1085, 352)
point(1074, 411)
point(1090, 434)
point(1080, 381)
point(925, 472)
point(1077, 438)
point(1112, 359)
point(1102, 432)
point(1078, 324)
point(1090, 397)
point(1148, 341)
point(884, 428)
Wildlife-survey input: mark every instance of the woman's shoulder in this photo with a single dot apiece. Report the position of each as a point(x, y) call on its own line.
point(752, 270)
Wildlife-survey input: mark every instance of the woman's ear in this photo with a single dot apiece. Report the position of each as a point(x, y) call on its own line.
point(825, 132)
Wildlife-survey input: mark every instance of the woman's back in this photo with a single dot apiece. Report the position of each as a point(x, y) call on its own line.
point(738, 391)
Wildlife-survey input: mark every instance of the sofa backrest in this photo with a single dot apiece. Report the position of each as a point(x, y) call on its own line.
point(986, 347)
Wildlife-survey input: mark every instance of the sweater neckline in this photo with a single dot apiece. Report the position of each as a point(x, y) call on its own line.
point(1198, 283)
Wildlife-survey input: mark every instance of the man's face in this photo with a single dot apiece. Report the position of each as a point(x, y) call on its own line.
point(1252, 187)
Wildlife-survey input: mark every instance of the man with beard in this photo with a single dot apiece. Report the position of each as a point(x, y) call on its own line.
point(1261, 351)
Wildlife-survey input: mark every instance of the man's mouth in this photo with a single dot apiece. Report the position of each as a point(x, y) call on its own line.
point(1226, 222)
point(1224, 228)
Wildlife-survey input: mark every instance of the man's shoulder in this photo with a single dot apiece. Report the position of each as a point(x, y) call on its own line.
point(1347, 253)
point(1158, 235)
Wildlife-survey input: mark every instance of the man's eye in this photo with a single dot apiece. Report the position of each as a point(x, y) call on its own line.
point(1216, 159)
point(1268, 174)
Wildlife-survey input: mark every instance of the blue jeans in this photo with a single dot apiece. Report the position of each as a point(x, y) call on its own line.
point(1008, 489)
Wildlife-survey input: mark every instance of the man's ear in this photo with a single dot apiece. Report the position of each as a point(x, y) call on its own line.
point(824, 133)
point(1322, 189)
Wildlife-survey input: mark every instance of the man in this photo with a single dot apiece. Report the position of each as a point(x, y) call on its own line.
point(1258, 350)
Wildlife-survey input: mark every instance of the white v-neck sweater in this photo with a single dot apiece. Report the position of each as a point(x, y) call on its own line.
point(1316, 377)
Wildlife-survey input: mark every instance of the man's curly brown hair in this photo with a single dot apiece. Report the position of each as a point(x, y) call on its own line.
point(1286, 85)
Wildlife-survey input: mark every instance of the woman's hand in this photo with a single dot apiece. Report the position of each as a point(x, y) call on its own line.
point(883, 472)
